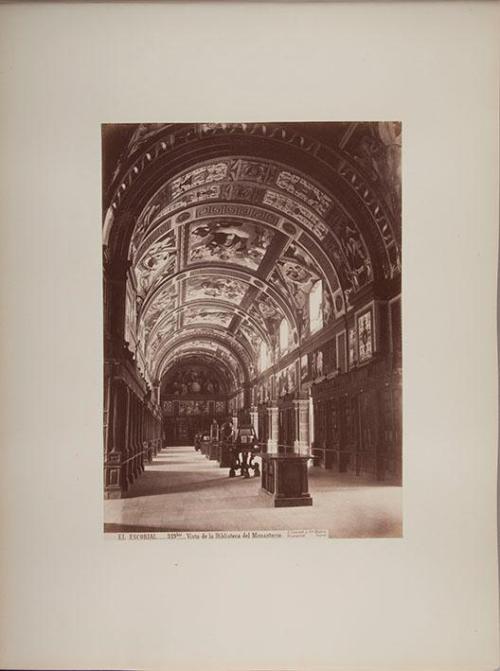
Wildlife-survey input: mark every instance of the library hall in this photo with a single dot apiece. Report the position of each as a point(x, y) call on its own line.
point(252, 327)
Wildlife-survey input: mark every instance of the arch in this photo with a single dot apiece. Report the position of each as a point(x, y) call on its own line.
point(223, 341)
point(220, 374)
point(166, 155)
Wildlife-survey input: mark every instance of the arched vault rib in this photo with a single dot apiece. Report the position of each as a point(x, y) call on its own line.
point(241, 346)
point(166, 154)
point(265, 215)
point(298, 210)
point(183, 357)
point(215, 306)
point(322, 254)
point(223, 341)
point(202, 182)
point(252, 279)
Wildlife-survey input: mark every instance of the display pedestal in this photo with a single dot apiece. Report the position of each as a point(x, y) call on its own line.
point(284, 477)
point(213, 450)
point(224, 456)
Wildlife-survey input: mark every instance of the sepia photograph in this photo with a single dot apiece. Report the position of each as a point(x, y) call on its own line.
point(236, 436)
point(252, 327)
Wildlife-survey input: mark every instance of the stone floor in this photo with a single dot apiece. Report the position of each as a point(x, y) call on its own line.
point(183, 491)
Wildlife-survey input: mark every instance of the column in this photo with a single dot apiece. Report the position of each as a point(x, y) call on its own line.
point(133, 438)
point(272, 422)
point(254, 418)
point(114, 481)
point(142, 442)
point(301, 444)
point(311, 421)
point(128, 437)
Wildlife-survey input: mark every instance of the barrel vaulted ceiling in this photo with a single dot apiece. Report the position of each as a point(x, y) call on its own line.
point(225, 229)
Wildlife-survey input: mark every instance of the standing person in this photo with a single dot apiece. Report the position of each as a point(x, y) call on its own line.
point(227, 431)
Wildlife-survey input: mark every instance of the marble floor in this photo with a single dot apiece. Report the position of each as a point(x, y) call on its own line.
point(183, 491)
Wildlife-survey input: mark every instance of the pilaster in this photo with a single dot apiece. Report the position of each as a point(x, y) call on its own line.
point(272, 418)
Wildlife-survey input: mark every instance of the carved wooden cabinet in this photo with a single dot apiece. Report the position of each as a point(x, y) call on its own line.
point(357, 422)
point(285, 478)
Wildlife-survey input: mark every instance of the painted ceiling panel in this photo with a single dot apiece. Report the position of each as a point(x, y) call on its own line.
point(162, 304)
point(238, 243)
point(220, 353)
point(299, 273)
point(245, 179)
point(254, 338)
point(160, 336)
point(212, 172)
point(156, 264)
point(216, 287)
point(266, 308)
point(252, 232)
point(206, 315)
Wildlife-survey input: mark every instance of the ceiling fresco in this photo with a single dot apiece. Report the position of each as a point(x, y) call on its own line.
point(237, 242)
point(157, 263)
point(253, 337)
point(206, 315)
point(265, 308)
point(229, 242)
point(200, 345)
point(192, 376)
point(299, 274)
point(218, 355)
point(159, 337)
point(216, 287)
point(162, 303)
point(378, 152)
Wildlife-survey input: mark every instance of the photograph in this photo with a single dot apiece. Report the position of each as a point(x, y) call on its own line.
point(253, 327)
point(250, 335)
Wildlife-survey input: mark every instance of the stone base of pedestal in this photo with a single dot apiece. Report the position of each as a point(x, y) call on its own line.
point(289, 502)
point(213, 450)
point(285, 479)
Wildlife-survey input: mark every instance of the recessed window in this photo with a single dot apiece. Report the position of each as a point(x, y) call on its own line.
point(316, 306)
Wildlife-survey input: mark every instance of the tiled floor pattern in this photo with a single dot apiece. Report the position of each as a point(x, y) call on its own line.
point(183, 491)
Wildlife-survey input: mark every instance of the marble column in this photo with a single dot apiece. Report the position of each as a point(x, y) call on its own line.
point(272, 419)
point(301, 444)
point(254, 418)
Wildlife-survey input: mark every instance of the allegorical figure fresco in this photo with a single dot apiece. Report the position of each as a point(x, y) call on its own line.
point(241, 244)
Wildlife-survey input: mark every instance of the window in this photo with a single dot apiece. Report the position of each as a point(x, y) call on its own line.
point(316, 306)
point(284, 333)
point(264, 359)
